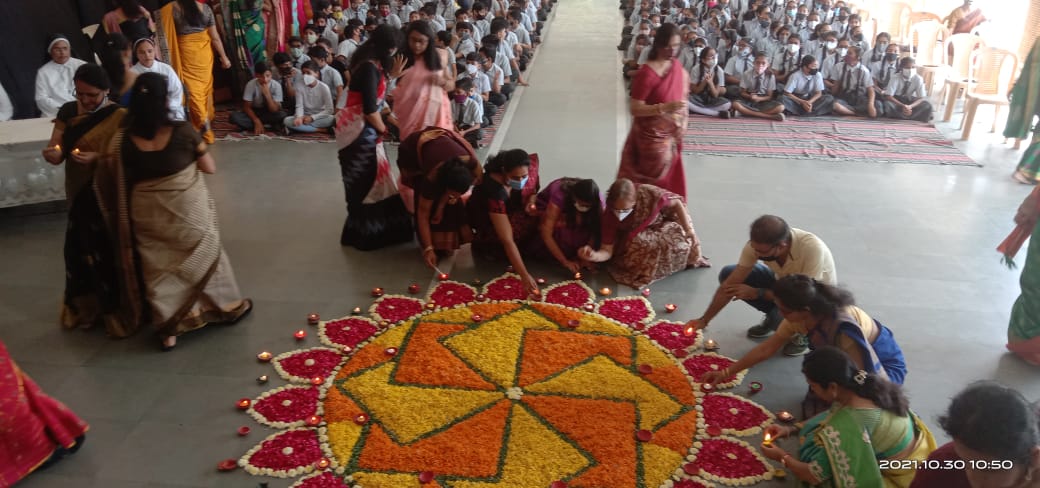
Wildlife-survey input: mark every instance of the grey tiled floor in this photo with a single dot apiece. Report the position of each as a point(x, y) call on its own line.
point(914, 242)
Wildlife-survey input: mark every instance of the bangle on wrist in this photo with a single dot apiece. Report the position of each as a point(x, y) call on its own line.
point(427, 249)
point(783, 460)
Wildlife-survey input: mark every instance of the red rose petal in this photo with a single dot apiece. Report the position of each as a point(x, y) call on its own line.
point(227, 465)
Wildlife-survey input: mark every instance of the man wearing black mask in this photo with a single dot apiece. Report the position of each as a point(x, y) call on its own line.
point(287, 76)
point(775, 250)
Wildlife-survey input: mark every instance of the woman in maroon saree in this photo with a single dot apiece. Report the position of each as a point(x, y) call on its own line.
point(653, 150)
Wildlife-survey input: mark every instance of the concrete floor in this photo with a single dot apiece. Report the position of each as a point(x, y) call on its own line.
point(914, 242)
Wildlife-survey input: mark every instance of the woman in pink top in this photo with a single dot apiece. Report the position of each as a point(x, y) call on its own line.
point(421, 97)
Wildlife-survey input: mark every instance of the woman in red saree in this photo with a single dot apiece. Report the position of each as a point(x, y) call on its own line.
point(35, 429)
point(653, 150)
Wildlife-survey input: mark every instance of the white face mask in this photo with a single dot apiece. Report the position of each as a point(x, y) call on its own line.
point(471, 69)
point(831, 45)
point(622, 214)
point(793, 48)
point(312, 38)
point(712, 61)
point(843, 51)
point(309, 80)
point(697, 50)
point(295, 52)
point(813, 23)
point(908, 72)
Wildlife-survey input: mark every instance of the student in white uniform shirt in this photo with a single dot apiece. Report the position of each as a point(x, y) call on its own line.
point(833, 58)
point(827, 14)
point(808, 33)
point(481, 84)
point(54, 86)
point(144, 48)
point(804, 93)
point(877, 53)
point(296, 52)
point(358, 10)
point(466, 45)
point(708, 87)
point(385, 15)
point(481, 25)
point(857, 39)
point(885, 70)
point(500, 91)
point(446, 12)
point(6, 108)
point(777, 43)
point(758, 28)
point(467, 113)
point(428, 12)
point(758, 91)
point(314, 105)
point(736, 67)
point(853, 90)
point(351, 41)
point(690, 52)
point(261, 102)
point(328, 75)
point(788, 60)
point(905, 97)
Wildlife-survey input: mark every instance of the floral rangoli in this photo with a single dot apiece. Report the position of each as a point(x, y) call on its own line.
point(474, 388)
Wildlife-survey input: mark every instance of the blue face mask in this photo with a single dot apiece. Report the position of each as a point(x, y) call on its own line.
point(518, 185)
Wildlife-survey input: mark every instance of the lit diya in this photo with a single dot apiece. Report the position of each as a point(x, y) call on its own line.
point(604, 291)
point(227, 465)
point(317, 381)
point(711, 345)
point(413, 288)
point(707, 387)
point(689, 331)
point(360, 419)
point(356, 311)
point(313, 318)
point(322, 463)
point(264, 356)
point(261, 379)
point(313, 421)
point(377, 292)
point(767, 441)
point(300, 335)
point(645, 292)
point(243, 404)
point(477, 317)
point(481, 297)
point(243, 430)
point(670, 307)
point(589, 307)
point(390, 351)
point(573, 323)
point(577, 276)
point(442, 277)
point(540, 281)
point(785, 417)
point(755, 387)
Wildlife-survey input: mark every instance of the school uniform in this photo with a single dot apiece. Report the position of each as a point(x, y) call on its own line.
point(392, 20)
point(875, 55)
point(703, 103)
point(805, 86)
point(465, 47)
point(482, 85)
point(315, 101)
point(863, 45)
point(853, 85)
point(759, 84)
point(502, 57)
point(497, 76)
point(351, 14)
point(332, 79)
point(347, 48)
point(466, 115)
point(883, 72)
point(688, 57)
point(908, 91)
point(829, 62)
point(253, 94)
point(446, 10)
point(785, 62)
point(737, 66)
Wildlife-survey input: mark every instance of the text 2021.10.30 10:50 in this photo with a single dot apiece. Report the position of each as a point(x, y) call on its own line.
point(947, 464)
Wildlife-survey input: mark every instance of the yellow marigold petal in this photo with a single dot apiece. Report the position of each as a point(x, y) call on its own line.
point(527, 464)
point(647, 353)
point(493, 347)
point(603, 378)
point(384, 480)
point(393, 337)
point(343, 436)
point(658, 464)
point(408, 412)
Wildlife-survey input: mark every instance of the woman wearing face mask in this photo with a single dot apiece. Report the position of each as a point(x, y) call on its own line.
point(188, 32)
point(146, 63)
point(423, 83)
point(828, 316)
point(82, 131)
point(653, 150)
point(440, 167)
point(996, 441)
point(570, 210)
point(54, 87)
point(647, 235)
point(866, 437)
point(502, 211)
point(708, 87)
point(376, 214)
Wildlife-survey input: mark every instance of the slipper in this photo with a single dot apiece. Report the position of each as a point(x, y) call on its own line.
point(249, 308)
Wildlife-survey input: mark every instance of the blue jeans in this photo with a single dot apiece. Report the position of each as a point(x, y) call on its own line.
point(761, 277)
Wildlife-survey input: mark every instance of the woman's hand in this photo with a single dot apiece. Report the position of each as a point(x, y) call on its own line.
point(773, 452)
point(430, 257)
point(530, 284)
point(572, 266)
point(52, 155)
point(1029, 211)
point(697, 324)
point(777, 431)
point(84, 157)
point(225, 62)
point(398, 68)
point(588, 254)
point(715, 377)
point(674, 106)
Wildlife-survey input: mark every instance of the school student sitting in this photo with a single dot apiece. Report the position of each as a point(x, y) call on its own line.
point(384, 15)
point(883, 71)
point(854, 87)
point(482, 84)
point(788, 60)
point(466, 44)
point(350, 43)
point(757, 90)
point(329, 76)
point(500, 90)
point(261, 102)
point(877, 53)
point(804, 93)
point(737, 66)
point(708, 87)
point(905, 96)
point(314, 105)
point(507, 46)
point(296, 52)
point(690, 52)
point(467, 113)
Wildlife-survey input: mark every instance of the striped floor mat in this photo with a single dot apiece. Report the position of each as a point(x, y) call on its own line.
point(823, 138)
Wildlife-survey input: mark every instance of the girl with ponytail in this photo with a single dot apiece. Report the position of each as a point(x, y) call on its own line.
point(868, 437)
point(503, 212)
point(828, 316)
point(441, 167)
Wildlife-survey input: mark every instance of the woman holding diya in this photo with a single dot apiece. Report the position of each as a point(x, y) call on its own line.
point(864, 439)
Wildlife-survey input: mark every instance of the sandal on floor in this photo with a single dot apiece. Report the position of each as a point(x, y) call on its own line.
point(249, 308)
point(165, 344)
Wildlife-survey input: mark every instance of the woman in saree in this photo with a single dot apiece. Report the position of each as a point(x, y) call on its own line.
point(82, 132)
point(647, 235)
point(828, 316)
point(188, 37)
point(173, 269)
point(1025, 105)
point(376, 214)
point(35, 430)
point(440, 167)
point(421, 98)
point(653, 150)
point(1024, 326)
point(247, 24)
point(502, 210)
point(130, 19)
point(964, 19)
point(863, 437)
point(996, 435)
point(570, 211)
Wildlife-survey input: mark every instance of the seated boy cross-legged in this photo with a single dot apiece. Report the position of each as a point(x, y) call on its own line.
point(261, 102)
point(467, 113)
point(905, 97)
point(757, 89)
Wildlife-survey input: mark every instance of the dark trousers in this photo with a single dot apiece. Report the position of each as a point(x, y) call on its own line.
point(823, 106)
point(490, 110)
point(473, 137)
point(498, 99)
point(507, 90)
point(268, 118)
point(761, 277)
point(920, 113)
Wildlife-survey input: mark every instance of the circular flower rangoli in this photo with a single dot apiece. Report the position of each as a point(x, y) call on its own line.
point(499, 392)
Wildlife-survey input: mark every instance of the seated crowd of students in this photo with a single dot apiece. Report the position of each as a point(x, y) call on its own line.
point(767, 59)
point(490, 50)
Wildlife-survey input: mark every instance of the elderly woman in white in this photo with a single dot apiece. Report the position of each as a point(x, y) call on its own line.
point(54, 86)
point(146, 62)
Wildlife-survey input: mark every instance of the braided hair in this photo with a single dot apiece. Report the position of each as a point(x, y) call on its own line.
point(829, 365)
